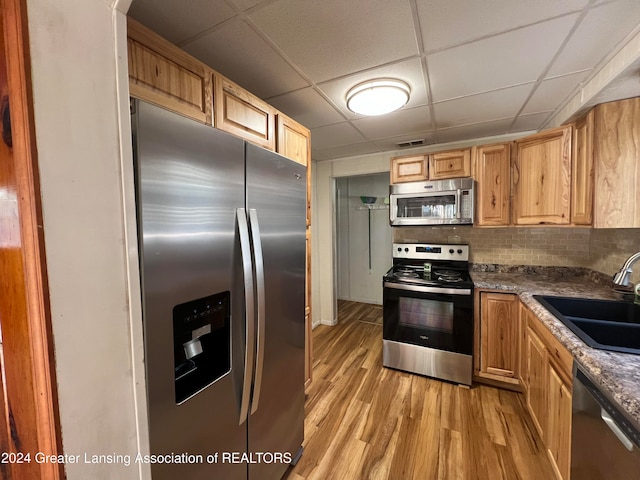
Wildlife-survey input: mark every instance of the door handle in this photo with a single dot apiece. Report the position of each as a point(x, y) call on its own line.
point(259, 269)
point(247, 274)
point(458, 203)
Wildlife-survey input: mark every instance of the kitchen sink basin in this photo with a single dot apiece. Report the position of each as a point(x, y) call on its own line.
point(603, 324)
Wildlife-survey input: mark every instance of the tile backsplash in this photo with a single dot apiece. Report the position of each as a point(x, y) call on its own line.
point(603, 250)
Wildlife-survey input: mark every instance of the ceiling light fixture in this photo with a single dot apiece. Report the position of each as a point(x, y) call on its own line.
point(377, 97)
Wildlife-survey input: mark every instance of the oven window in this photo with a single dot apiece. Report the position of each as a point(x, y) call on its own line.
point(440, 206)
point(422, 313)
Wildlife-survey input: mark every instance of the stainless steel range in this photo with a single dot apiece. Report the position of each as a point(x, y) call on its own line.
point(428, 311)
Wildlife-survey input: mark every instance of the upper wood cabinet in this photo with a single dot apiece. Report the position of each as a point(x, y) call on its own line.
point(161, 73)
point(542, 178)
point(293, 140)
point(410, 168)
point(493, 187)
point(582, 172)
point(616, 150)
point(243, 114)
point(499, 337)
point(450, 164)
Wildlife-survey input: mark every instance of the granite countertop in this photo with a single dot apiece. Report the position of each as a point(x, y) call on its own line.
point(617, 374)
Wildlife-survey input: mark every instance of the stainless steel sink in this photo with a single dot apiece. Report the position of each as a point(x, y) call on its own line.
point(603, 324)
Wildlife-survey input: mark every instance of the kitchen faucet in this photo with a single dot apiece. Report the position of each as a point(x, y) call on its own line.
point(622, 277)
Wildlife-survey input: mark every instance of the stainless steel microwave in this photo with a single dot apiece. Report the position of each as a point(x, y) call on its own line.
point(437, 202)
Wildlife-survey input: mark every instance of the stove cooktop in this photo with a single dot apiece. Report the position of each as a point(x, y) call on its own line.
point(449, 265)
point(437, 277)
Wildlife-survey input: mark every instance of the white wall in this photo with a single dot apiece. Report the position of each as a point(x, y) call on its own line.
point(78, 55)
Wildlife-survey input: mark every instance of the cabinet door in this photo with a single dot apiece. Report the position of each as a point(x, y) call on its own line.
point(294, 142)
point(239, 112)
point(450, 164)
point(542, 178)
point(559, 424)
point(537, 381)
point(499, 336)
point(616, 149)
point(161, 73)
point(522, 341)
point(412, 168)
point(582, 172)
point(493, 188)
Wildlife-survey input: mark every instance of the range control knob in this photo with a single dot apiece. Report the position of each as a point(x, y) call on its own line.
point(399, 249)
point(459, 251)
point(451, 250)
point(406, 249)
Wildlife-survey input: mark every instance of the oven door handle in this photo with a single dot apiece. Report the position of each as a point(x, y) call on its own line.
point(418, 288)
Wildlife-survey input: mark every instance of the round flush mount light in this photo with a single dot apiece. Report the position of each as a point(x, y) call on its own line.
point(377, 97)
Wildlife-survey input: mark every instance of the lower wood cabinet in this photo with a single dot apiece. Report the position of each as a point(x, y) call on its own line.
point(536, 381)
point(548, 373)
point(515, 350)
point(558, 439)
point(499, 332)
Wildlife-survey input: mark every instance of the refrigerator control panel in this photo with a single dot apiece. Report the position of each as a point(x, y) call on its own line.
point(201, 343)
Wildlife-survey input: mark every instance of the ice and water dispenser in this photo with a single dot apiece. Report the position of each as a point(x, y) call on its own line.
point(201, 343)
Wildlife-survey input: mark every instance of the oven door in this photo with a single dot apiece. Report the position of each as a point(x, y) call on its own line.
point(432, 317)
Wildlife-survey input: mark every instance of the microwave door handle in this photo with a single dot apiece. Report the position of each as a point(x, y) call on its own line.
point(458, 203)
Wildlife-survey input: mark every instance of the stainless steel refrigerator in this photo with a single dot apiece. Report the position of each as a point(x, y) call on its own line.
point(222, 258)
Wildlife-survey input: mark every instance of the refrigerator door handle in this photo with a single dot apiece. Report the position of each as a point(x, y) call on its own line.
point(247, 273)
point(259, 269)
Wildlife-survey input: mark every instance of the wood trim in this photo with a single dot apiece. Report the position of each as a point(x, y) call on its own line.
point(582, 171)
point(28, 348)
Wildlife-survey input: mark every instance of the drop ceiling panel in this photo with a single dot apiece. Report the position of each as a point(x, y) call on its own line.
point(335, 135)
point(350, 150)
point(176, 23)
point(245, 4)
point(502, 61)
point(552, 92)
point(251, 63)
point(445, 23)
point(478, 130)
point(307, 107)
point(410, 71)
point(481, 108)
point(331, 38)
point(532, 121)
point(405, 121)
point(391, 143)
point(603, 28)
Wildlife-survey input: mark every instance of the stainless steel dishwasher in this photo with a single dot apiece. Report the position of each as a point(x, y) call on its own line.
point(605, 443)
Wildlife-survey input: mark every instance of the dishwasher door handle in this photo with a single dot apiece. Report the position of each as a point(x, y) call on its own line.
point(617, 431)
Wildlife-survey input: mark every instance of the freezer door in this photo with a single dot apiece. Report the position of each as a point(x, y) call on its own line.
point(276, 200)
point(189, 185)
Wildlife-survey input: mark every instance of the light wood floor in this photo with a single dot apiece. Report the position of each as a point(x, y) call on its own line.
point(363, 421)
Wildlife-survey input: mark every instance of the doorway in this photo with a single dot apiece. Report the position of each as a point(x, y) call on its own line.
point(363, 237)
